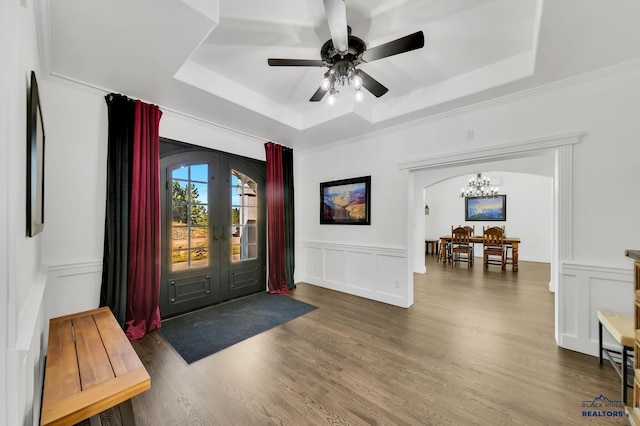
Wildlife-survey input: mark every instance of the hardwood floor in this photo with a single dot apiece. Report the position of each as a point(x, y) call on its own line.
point(477, 347)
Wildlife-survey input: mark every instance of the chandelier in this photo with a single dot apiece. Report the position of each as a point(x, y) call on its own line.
point(342, 73)
point(479, 186)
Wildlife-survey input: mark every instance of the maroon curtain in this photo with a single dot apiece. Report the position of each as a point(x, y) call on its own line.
point(277, 279)
point(143, 279)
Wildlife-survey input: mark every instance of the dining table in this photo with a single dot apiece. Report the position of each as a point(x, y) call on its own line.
point(513, 242)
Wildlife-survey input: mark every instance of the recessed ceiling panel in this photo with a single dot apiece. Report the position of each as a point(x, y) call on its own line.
point(208, 58)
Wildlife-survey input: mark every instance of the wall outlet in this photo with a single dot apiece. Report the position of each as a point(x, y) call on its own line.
point(396, 284)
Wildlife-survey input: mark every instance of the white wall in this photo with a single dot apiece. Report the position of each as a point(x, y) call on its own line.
point(604, 205)
point(21, 276)
point(76, 185)
point(369, 261)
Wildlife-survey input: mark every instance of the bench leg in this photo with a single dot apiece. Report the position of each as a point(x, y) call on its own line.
point(624, 375)
point(625, 372)
point(600, 342)
point(121, 414)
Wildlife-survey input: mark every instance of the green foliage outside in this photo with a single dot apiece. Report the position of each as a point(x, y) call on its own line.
point(235, 215)
point(187, 196)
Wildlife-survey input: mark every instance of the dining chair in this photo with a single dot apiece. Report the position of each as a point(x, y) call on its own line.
point(461, 247)
point(444, 255)
point(508, 249)
point(493, 245)
point(472, 232)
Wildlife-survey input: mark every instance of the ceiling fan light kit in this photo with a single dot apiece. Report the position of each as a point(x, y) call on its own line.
point(343, 53)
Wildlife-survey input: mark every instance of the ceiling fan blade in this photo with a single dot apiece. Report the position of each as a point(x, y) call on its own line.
point(401, 45)
point(295, 62)
point(318, 95)
point(372, 85)
point(336, 11)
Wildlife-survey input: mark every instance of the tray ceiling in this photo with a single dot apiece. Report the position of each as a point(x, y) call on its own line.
point(208, 59)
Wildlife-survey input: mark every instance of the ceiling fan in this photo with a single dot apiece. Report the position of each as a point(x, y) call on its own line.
point(343, 52)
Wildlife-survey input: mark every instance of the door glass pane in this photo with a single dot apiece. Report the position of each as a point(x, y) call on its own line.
point(179, 214)
point(199, 214)
point(199, 258)
point(189, 217)
point(244, 217)
point(199, 237)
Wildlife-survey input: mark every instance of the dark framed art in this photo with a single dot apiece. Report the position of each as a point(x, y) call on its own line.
point(492, 208)
point(346, 202)
point(35, 161)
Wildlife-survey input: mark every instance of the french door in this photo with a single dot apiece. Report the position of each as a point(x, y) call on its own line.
point(214, 230)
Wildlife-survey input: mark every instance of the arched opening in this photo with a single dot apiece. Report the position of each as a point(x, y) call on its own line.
point(555, 149)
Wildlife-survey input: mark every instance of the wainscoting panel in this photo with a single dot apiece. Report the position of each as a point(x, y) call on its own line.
point(376, 273)
point(25, 361)
point(82, 280)
point(387, 279)
point(585, 289)
point(361, 270)
point(334, 267)
point(312, 265)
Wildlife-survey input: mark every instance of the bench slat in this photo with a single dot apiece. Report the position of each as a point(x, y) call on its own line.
point(63, 378)
point(123, 357)
point(93, 360)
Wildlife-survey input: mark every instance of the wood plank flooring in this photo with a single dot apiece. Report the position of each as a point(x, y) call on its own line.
point(476, 348)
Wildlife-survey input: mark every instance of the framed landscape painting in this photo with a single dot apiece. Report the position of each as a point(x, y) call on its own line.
point(346, 202)
point(492, 208)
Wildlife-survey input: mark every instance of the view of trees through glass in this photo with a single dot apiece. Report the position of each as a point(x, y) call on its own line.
point(190, 216)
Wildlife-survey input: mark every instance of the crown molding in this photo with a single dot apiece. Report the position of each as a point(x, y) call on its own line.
point(494, 152)
point(522, 94)
point(43, 34)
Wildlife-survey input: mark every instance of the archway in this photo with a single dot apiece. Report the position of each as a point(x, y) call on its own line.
point(426, 171)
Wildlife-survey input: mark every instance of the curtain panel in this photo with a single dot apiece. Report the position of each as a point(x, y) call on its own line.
point(131, 263)
point(289, 221)
point(115, 260)
point(280, 223)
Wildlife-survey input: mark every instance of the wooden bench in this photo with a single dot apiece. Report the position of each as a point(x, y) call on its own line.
point(91, 367)
point(622, 330)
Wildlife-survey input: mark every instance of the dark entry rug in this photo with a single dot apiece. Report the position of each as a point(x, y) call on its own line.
point(204, 332)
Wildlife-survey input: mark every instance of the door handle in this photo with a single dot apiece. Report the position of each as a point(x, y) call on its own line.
point(215, 235)
point(224, 232)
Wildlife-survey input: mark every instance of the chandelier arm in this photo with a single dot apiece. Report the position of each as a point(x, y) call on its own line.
point(479, 186)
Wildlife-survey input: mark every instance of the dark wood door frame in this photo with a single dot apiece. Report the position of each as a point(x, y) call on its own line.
point(222, 279)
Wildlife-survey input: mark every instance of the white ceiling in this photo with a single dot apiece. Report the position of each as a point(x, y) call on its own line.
point(208, 58)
